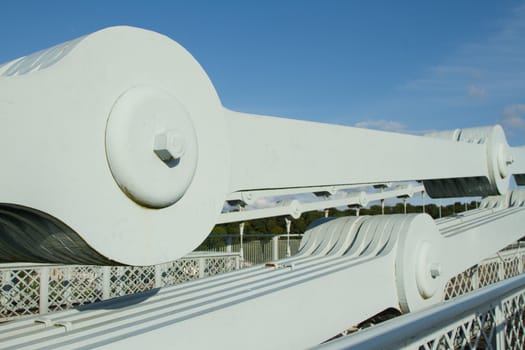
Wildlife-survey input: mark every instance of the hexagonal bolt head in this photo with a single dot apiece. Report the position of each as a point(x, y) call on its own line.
point(435, 270)
point(169, 145)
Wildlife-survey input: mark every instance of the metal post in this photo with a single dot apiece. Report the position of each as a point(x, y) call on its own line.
point(474, 279)
point(158, 276)
point(501, 268)
point(501, 325)
point(6, 277)
point(44, 290)
point(237, 262)
point(275, 247)
point(241, 233)
point(68, 283)
point(228, 244)
point(405, 205)
point(288, 227)
point(382, 202)
point(423, 200)
point(202, 266)
point(106, 282)
point(440, 211)
point(466, 206)
point(519, 256)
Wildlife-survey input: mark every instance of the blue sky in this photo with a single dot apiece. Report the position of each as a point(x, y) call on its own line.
point(409, 66)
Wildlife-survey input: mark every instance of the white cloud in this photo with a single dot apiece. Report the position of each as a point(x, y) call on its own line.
point(494, 66)
point(513, 117)
point(476, 91)
point(381, 124)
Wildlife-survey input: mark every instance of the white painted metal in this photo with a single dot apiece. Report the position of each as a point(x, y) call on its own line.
point(27, 289)
point(294, 208)
point(127, 156)
point(434, 258)
point(146, 119)
point(387, 261)
point(395, 155)
point(66, 102)
point(499, 160)
point(490, 318)
point(125, 141)
point(249, 197)
point(518, 166)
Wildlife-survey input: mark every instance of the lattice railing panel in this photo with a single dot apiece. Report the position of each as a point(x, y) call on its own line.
point(496, 326)
point(180, 271)
point(514, 313)
point(503, 266)
point(470, 333)
point(214, 265)
point(460, 284)
point(489, 273)
point(19, 293)
point(511, 266)
point(131, 279)
point(68, 286)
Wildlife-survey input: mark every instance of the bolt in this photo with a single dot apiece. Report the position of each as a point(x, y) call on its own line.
point(435, 270)
point(169, 145)
point(291, 266)
point(504, 160)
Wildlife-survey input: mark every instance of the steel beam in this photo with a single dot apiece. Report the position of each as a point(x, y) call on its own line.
point(111, 160)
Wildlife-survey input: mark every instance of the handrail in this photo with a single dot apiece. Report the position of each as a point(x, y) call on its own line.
point(28, 289)
point(192, 255)
point(255, 235)
point(408, 330)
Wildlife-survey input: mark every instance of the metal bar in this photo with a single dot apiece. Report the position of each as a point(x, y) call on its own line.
point(253, 235)
point(106, 282)
point(252, 195)
point(121, 153)
point(481, 234)
point(202, 267)
point(295, 208)
point(299, 153)
point(44, 290)
point(158, 276)
point(501, 322)
point(275, 248)
point(518, 160)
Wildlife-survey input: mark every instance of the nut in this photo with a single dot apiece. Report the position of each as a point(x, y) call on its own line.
point(169, 145)
point(435, 270)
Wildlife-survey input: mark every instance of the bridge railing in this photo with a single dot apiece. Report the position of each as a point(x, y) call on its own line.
point(256, 248)
point(506, 264)
point(484, 308)
point(492, 317)
point(37, 289)
point(28, 289)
